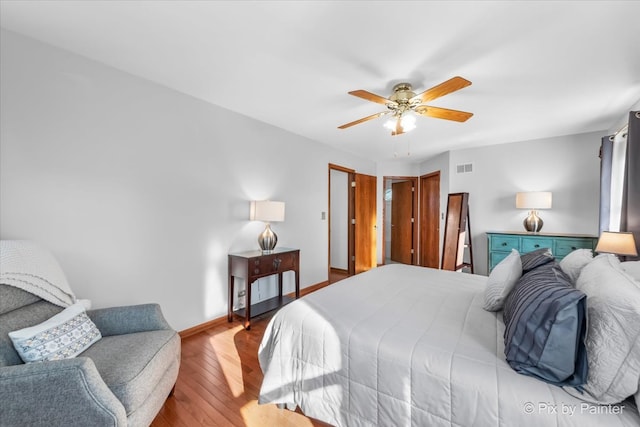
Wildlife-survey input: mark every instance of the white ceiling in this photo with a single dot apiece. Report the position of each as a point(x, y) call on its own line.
point(539, 68)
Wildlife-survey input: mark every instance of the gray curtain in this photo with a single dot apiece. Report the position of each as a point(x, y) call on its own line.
point(620, 181)
point(630, 220)
point(606, 155)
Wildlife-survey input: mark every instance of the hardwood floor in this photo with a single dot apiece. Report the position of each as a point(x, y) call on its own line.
point(336, 275)
point(220, 380)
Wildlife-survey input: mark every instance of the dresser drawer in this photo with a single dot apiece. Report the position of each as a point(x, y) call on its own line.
point(505, 243)
point(565, 246)
point(529, 244)
point(269, 264)
point(496, 257)
point(500, 244)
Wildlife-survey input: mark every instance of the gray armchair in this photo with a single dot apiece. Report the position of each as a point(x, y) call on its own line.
point(121, 380)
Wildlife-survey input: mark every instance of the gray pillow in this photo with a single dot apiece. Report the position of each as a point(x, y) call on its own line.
point(613, 337)
point(545, 327)
point(632, 268)
point(575, 261)
point(501, 281)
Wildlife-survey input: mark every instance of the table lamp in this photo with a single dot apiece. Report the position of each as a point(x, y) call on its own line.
point(533, 200)
point(268, 212)
point(618, 243)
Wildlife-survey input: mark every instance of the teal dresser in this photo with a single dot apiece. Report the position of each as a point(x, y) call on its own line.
point(501, 243)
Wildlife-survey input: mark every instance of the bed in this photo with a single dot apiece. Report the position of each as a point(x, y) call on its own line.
point(403, 345)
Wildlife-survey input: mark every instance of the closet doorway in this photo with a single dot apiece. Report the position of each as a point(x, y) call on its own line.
point(352, 237)
point(341, 207)
point(399, 213)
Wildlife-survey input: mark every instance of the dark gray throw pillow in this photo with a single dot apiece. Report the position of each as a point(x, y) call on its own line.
point(533, 259)
point(545, 327)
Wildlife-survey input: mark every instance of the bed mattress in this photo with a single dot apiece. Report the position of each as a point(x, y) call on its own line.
point(409, 346)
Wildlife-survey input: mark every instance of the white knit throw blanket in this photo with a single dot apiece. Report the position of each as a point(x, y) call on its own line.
point(26, 265)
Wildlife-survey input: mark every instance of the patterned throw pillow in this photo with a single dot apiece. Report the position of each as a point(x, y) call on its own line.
point(536, 258)
point(545, 326)
point(501, 281)
point(64, 336)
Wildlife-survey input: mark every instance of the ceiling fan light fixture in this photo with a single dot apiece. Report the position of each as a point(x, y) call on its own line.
point(407, 121)
point(403, 105)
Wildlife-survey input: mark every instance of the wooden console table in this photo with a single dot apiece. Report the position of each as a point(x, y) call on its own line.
point(253, 265)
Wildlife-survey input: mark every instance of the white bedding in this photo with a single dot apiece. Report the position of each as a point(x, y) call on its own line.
point(403, 345)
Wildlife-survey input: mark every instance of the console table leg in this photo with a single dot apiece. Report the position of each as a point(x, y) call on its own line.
point(247, 304)
point(231, 290)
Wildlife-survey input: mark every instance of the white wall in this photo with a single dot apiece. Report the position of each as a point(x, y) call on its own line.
point(339, 219)
point(568, 166)
point(141, 191)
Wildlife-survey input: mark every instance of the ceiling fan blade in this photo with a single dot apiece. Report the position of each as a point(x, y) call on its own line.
point(364, 119)
point(371, 97)
point(443, 113)
point(451, 85)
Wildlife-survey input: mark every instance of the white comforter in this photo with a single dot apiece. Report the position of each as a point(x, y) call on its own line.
point(402, 345)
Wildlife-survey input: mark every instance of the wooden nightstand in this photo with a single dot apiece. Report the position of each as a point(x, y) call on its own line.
point(253, 265)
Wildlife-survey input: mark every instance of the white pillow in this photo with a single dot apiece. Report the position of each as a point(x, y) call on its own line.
point(613, 334)
point(632, 268)
point(573, 263)
point(63, 336)
point(501, 281)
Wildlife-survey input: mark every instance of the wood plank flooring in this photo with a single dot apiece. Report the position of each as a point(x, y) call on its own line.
point(220, 380)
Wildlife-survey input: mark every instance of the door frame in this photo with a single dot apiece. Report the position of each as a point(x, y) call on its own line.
point(414, 182)
point(351, 243)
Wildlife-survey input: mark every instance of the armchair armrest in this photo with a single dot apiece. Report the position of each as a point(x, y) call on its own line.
point(128, 319)
point(66, 392)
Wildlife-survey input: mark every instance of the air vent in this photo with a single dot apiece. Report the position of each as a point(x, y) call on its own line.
point(464, 168)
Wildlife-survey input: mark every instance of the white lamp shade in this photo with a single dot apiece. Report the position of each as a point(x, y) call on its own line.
point(619, 243)
point(266, 211)
point(533, 200)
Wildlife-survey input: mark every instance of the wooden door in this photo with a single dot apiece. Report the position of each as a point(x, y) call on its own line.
point(401, 222)
point(430, 220)
point(365, 223)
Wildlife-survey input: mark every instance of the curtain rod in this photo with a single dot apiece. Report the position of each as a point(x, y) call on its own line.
point(624, 128)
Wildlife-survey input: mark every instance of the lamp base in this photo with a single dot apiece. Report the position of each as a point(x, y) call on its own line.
point(533, 223)
point(267, 239)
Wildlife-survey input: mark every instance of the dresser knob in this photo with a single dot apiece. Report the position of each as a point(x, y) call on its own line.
point(256, 271)
point(257, 262)
point(276, 263)
point(504, 243)
point(536, 246)
point(573, 248)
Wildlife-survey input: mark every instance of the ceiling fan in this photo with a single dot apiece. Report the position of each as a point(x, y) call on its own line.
point(403, 101)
